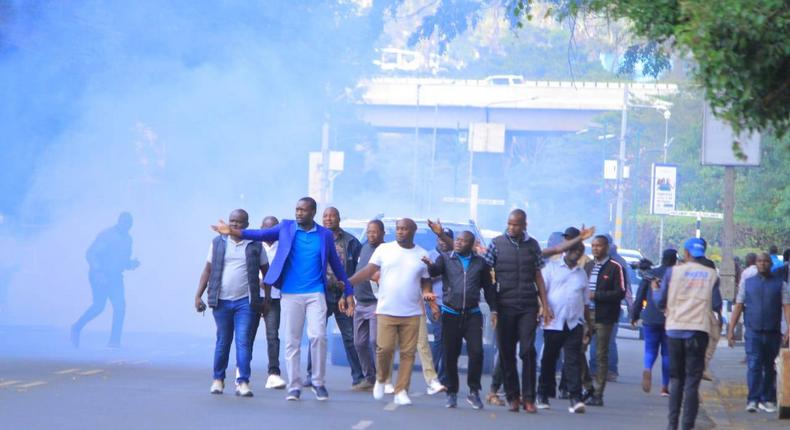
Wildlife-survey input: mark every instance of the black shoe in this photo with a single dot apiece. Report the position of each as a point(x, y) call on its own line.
point(563, 395)
point(595, 401)
point(474, 399)
point(452, 400)
point(587, 395)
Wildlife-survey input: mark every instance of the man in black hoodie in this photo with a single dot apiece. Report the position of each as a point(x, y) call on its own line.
point(464, 274)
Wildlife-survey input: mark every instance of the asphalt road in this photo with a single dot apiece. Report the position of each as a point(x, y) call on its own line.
point(162, 382)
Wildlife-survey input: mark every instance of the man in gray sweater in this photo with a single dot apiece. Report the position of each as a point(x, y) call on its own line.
point(365, 312)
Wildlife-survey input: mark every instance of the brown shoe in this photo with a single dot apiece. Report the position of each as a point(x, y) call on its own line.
point(647, 380)
point(529, 406)
point(494, 399)
point(514, 406)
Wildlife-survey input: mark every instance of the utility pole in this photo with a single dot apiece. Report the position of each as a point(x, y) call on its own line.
point(618, 220)
point(667, 115)
point(727, 272)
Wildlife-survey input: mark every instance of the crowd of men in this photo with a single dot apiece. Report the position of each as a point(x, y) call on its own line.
point(388, 296)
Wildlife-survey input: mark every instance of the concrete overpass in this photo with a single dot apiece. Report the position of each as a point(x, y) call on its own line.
point(523, 106)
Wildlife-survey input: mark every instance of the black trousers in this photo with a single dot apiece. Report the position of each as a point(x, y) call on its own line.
point(456, 329)
point(518, 328)
point(570, 341)
point(686, 364)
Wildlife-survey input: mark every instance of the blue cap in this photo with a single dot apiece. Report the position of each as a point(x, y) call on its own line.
point(695, 247)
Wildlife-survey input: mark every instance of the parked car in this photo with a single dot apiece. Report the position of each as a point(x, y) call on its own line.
point(425, 238)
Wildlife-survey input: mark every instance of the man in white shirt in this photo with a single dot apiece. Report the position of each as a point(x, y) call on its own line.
point(404, 283)
point(568, 295)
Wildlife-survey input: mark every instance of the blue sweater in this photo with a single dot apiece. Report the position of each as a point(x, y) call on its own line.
point(284, 233)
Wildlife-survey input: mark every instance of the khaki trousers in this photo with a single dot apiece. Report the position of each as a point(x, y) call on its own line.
point(389, 332)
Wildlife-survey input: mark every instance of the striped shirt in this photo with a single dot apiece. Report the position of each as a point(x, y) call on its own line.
point(594, 277)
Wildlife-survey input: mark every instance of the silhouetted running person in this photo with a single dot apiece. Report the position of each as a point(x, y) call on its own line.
point(108, 257)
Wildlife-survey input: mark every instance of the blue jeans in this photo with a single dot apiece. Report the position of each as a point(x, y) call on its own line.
point(655, 338)
point(762, 347)
point(233, 317)
point(437, 351)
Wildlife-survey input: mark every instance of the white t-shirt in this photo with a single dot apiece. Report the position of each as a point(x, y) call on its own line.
point(271, 251)
point(400, 289)
point(234, 272)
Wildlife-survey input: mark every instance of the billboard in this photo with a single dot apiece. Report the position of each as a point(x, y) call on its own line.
point(486, 137)
point(663, 189)
point(717, 139)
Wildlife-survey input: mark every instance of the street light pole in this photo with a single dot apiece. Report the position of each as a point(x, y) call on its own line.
point(667, 115)
point(618, 221)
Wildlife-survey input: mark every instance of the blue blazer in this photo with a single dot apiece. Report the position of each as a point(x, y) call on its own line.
point(284, 233)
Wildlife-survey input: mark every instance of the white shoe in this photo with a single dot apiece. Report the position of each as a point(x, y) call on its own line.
point(402, 398)
point(751, 407)
point(243, 390)
point(769, 407)
point(218, 386)
point(389, 389)
point(275, 382)
point(577, 408)
point(435, 387)
point(378, 390)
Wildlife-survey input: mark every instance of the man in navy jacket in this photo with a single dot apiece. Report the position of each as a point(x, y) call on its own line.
point(299, 268)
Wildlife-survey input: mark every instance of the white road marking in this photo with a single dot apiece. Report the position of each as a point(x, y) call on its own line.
point(7, 383)
point(140, 362)
point(90, 372)
point(118, 362)
point(390, 406)
point(66, 371)
point(31, 384)
point(361, 425)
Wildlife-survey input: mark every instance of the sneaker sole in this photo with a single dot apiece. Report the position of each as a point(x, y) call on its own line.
point(216, 392)
point(244, 395)
point(473, 405)
point(576, 411)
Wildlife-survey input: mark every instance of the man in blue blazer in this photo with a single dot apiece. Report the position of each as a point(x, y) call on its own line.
point(299, 269)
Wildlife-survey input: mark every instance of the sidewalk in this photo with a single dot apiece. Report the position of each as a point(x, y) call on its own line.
point(724, 399)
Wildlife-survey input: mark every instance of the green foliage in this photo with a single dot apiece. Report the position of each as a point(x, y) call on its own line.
point(739, 47)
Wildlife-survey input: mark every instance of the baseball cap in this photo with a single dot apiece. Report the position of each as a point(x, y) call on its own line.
point(571, 232)
point(695, 247)
point(449, 233)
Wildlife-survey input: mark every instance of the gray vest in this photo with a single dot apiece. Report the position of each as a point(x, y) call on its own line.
point(253, 256)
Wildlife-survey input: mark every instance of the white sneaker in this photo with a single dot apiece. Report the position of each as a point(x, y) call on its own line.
point(275, 382)
point(389, 389)
point(751, 407)
point(378, 390)
point(402, 398)
point(218, 386)
point(435, 387)
point(577, 408)
point(243, 390)
point(769, 407)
